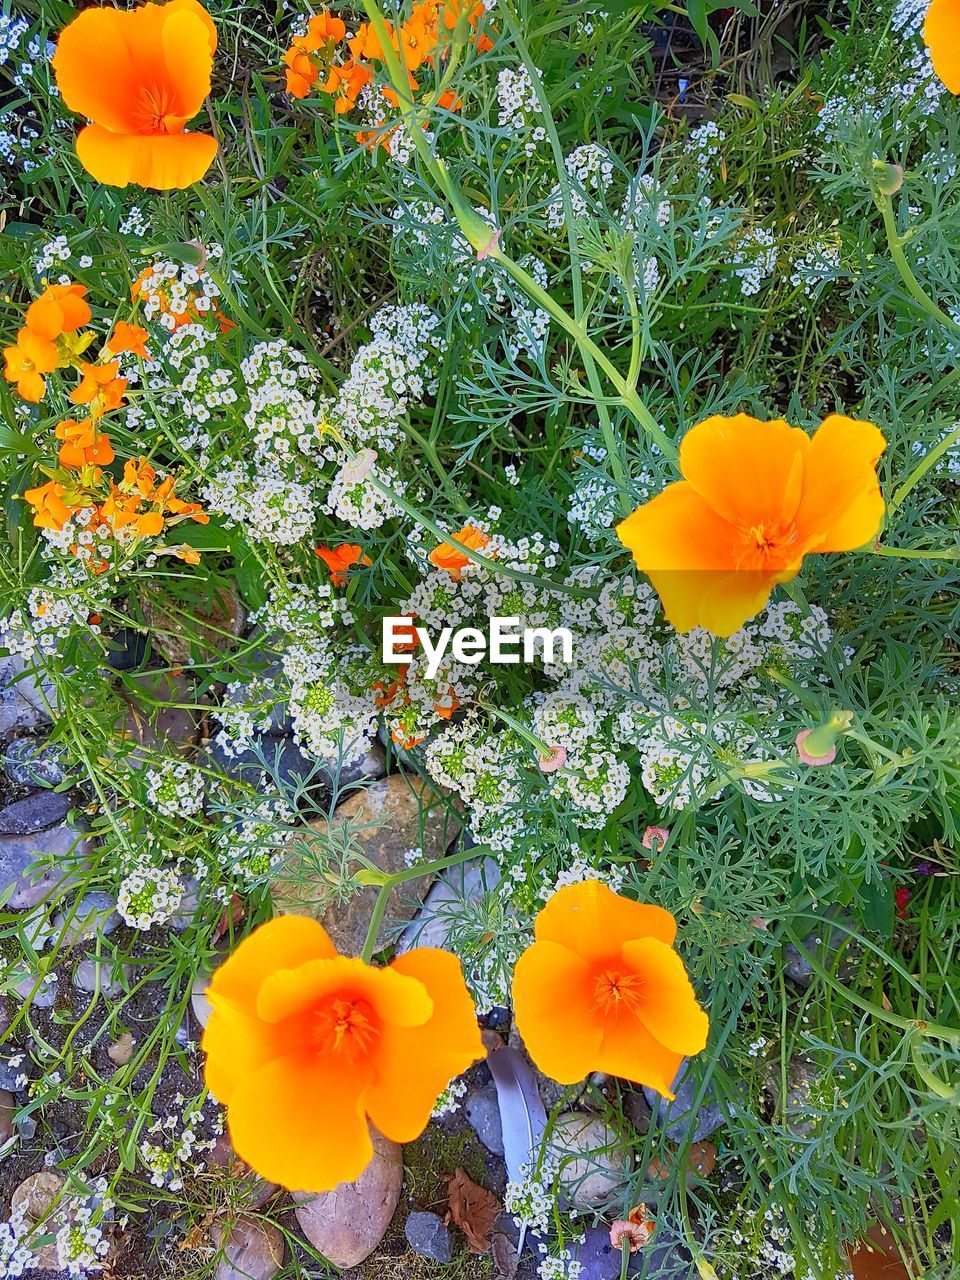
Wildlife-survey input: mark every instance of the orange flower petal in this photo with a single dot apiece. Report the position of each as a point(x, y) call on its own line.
point(748, 472)
point(842, 503)
point(299, 1121)
point(720, 602)
point(941, 33)
point(556, 1014)
point(161, 162)
point(283, 943)
point(236, 1045)
point(394, 999)
point(667, 1007)
point(629, 1051)
point(592, 921)
point(413, 1065)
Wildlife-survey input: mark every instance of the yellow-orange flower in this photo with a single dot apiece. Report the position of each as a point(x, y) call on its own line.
point(323, 32)
point(139, 75)
point(941, 34)
point(601, 989)
point(755, 499)
point(452, 559)
point(339, 560)
point(61, 308)
point(83, 445)
point(26, 362)
point(344, 84)
point(49, 509)
point(127, 337)
point(307, 1048)
point(100, 387)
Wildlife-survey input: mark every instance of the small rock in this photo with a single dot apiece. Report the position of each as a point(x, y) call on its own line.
point(41, 866)
point(199, 633)
point(190, 907)
point(36, 1197)
point(387, 819)
point(821, 945)
point(465, 883)
point(94, 916)
point(636, 1109)
point(153, 719)
point(347, 1223)
point(41, 992)
point(600, 1160)
point(91, 974)
point(702, 1158)
point(26, 699)
point(253, 1250)
point(662, 1258)
point(676, 1116)
point(8, 1109)
point(795, 1111)
point(483, 1112)
point(34, 813)
point(371, 767)
point(248, 1188)
point(279, 758)
point(122, 1050)
point(29, 762)
point(427, 1236)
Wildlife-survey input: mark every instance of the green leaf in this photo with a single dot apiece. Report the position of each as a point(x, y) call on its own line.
point(877, 907)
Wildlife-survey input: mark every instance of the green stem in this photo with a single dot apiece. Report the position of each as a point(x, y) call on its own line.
point(916, 553)
point(922, 467)
point(895, 243)
point(390, 882)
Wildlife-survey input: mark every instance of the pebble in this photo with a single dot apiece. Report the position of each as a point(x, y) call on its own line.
point(25, 700)
point(601, 1158)
point(90, 973)
point(465, 883)
point(427, 1236)
point(386, 821)
point(8, 1109)
point(675, 1116)
point(821, 945)
point(347, 1223)
point(150, 722)
point(661, 1258)
point(31, 762)
point(253, 1250)
point(94, 916)
point(279, 757)
point(122, 1050)
point(35, 1197)
point(33, 813)
point(483, 1112)
point(45, 995)
point(41, 866)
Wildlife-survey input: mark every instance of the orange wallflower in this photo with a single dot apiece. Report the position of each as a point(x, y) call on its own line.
point(344, 84)
point(101, 387)
point(83, 445)
point(339, 560)
point(127, 337)
point(49, 509)
point(61, 308)
point(140, 76)
point(601, 989)
point(323, 32)
point(447, 556)
point(139, 502)
point(27, 361)
point(306, 1048)
point(941, 34)
point(755, 499)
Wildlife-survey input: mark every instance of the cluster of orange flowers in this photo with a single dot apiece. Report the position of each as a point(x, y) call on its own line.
point(313, 57)
point(51, 338)
point(601, 988)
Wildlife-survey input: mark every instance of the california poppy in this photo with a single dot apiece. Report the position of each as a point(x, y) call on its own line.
point(755, 499)
point(601, 989)
point(340, 559)
point(139, 76)
point(307, 1048)
point(452, 559)
point(941, 34)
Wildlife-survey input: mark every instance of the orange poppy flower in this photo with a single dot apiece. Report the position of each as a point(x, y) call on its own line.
point(49, 509)
point(307, 1048)
point(27, 361)
point(339, 559)
point(447, 556)
point(101, 387)
point(139, 76)
point(83, 445)
point(941, 34)
point(61, 308)
point(755, 499)
point(601, 989)
point(127, 337)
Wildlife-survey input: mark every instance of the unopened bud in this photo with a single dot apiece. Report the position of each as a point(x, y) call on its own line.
point(889, 177)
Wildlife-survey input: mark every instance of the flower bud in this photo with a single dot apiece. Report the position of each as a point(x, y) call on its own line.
point(818, 746)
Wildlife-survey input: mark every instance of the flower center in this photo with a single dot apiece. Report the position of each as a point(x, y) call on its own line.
point(615, 992)
point(345, 1026)
point(156, 112)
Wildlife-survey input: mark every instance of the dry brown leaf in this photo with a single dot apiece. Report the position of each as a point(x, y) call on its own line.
point(473, 1209)
point(703, 1158)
